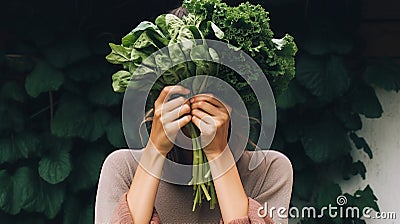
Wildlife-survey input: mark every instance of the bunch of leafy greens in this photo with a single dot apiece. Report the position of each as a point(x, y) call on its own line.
point(245, 27)
point(170, 41)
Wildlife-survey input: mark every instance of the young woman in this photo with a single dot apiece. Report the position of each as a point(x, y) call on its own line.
point(130, 191)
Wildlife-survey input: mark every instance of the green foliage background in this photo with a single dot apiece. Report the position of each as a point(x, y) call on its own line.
point(59, 117)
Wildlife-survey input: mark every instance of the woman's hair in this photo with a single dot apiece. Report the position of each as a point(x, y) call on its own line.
point(180, 12)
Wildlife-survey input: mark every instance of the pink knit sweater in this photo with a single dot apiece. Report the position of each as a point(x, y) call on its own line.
point(270, 182)
point(121, 214)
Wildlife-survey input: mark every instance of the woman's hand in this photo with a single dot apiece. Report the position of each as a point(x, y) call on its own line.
point(212, 117)
point(168, 118)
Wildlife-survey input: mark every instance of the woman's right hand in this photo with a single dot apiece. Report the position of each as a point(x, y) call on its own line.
point(168, 118)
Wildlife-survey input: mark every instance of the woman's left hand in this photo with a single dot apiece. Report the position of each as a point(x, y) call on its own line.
point(212, 117)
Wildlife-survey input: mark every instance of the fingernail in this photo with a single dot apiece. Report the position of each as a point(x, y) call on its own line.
point(192, 100)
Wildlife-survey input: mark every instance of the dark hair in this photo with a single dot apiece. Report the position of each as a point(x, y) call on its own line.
point(180, 12)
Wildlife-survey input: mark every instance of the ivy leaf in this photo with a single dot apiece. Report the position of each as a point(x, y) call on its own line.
point(325, 77)
point(366, 198)
point(55, 167)
point(16, 189)
point(363, 198)
point(74, 119)
point(43, 78)
point(359, 168)
point(360, 143)
point(22, 145)
point(325, 140)
point(385, 74)
point(13, 91)
point(365, 101)
point(86, 169)
point(49, 199)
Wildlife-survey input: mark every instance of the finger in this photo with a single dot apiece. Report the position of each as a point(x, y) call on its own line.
point(209, 98)
point(176, 113)
point(206, 107)
point(196, 121)
point(202, 116)
point(173, 127)
point(175, 103)
point(170, 90)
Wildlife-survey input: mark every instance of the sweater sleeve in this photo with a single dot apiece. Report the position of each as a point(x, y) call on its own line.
point(252, 215)
point(122, 214)
point(276, 187)
point(115, 179)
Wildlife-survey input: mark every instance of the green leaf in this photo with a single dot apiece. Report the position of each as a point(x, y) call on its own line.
point(22, 145)
point(11, 90)
point(119, 54)
point(385, 74)
point(365, 101)
point(325, 77)
point(121, 81)
point(360, 143)
point(217, 31)
point(43, 78)
point(359, 168)
point(87, 169)
point(325, 140)
point(131, 39)
point(74, 118)
point(49, 199)
point(16, 190)
point(363, 198)
point(55, 166)
point(366, 198)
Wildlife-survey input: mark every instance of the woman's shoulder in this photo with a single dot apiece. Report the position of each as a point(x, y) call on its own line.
point(256, 164)
point(265, 174)
point(122, 160)
point(264, 159)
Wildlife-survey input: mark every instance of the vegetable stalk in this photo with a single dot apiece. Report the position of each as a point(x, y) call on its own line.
point(201, 173)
